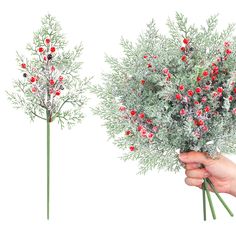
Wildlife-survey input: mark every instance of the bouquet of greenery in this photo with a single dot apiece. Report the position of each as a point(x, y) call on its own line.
point(172, 94)
point(50, 88)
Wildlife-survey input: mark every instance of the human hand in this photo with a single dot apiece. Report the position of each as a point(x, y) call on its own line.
point(221, 172)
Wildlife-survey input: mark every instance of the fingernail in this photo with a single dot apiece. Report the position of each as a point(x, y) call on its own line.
point(182, 156)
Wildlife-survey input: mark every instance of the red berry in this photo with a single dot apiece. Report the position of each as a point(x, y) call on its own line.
point(207, 87)
point(34, 90)
point(185, 41)
point(182, 49)
point(207, 109)
point(140, 127)
point(234, 90)
point(145, 56)
point(154, 57)
point(133, 112)
point(181, 87)
point(141, 115)
point(190, 93)
point(58, 92)
point(45, 58)
point(199, 79)
point(155, 128)
point(205, 73)
point(47, 41)
point(204, 99)
point(165, 71)
point(41, 49)
point(213, 78)
point(33, 79)
point(144, 133)
point(200, 123)
point(230, 98)
point(182, 112)
point(149, 65)
point(168, 76)
point(149, 121)
point(51, 91)
point(228, 51)
point(128, 132)
point(52, 49)
point(142, 81)
point(205, 128)
point(196, 102)
point(220, 89)
point(131, 148)
point(150, 135)
point(226, 44)
point(178, 96)
point(183, 58)
point(198, 90)
point(23, 65)
point(214, 94)
point(199, 112)
point(53, 68)
point(122, 108)
point(51, 82)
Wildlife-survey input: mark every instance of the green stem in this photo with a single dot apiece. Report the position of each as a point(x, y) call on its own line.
point(48, 165)
point(209, 200)
point(219, 197)
point(204, 201)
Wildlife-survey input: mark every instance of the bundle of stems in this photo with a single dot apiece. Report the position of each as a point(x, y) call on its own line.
point(207, 185)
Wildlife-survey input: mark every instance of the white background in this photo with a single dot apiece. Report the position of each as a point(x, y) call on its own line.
point(92, 191)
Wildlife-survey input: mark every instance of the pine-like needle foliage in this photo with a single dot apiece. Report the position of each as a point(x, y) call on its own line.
point(169, 93)
point(50, 87)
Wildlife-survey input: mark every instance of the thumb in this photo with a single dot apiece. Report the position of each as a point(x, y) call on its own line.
point(199, 157)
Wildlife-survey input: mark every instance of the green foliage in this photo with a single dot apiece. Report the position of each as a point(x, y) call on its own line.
point(138, 97)
point(51, 87)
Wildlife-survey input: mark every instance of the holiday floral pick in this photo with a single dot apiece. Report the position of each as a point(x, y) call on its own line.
point(170, 93)
point(50, 87)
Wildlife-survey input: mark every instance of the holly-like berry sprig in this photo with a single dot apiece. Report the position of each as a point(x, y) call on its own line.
point(51, 88)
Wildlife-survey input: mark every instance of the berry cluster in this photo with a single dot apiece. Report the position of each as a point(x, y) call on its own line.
point(205, 101)
point(143, 125)
point(54, 83)
point(199, 102)
point(150, 61)
point(51, 87)
point(186, 50)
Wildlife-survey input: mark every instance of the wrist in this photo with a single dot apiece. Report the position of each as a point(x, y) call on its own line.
point(233, 187)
